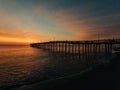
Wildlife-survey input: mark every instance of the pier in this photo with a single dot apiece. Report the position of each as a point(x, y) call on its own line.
point(77, 47)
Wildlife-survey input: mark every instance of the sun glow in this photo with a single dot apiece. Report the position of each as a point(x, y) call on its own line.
point(6, 40)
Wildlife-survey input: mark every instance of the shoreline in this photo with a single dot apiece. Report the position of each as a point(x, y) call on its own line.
point(56, 82)
point(53, 83)
point(99, 78)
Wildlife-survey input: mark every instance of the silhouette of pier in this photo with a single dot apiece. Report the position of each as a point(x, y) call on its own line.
point(76, 47)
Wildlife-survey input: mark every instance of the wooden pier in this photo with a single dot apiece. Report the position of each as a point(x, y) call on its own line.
point(77, 47)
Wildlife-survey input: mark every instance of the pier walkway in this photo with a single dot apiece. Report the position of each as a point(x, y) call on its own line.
point(78, 46)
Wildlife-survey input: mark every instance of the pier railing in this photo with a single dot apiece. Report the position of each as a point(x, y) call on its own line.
point(78, 46)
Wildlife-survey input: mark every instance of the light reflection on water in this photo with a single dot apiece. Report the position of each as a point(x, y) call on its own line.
point(19, 63)
point(22, 65)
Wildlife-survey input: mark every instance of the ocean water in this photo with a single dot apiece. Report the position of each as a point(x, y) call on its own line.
point(22, 65)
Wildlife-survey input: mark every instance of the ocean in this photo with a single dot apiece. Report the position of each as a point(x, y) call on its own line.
point(23, 65)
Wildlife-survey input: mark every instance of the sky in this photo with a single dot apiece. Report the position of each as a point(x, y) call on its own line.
point(27, 21)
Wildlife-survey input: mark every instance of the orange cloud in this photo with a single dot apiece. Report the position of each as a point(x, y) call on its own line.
point(25, 26)
point(88, 28)
point(12, 30)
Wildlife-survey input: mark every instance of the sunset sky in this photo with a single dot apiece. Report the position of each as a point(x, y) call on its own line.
point(26, 21)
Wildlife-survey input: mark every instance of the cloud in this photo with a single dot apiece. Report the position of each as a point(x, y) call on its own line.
point(18, 26)
point(94, 25)
point(40, 22)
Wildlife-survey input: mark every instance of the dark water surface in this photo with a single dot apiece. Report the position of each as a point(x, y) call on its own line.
point(21, 65)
